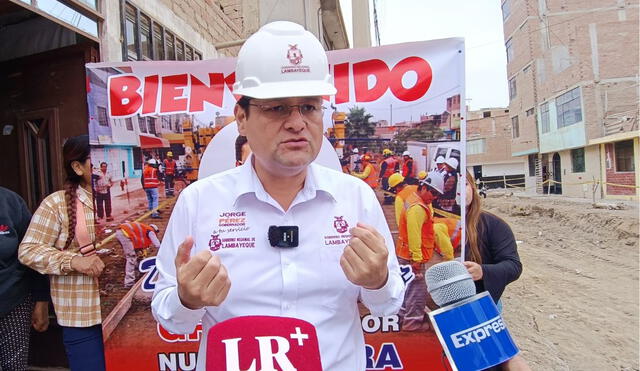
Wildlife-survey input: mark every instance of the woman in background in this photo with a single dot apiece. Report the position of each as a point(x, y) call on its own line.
point(24, 294)
point(60, 242)
point(491, 255)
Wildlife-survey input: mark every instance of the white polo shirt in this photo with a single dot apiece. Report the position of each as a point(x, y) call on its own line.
point(229, 213)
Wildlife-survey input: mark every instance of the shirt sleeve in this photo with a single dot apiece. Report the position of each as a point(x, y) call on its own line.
point(399, 205)
point(415, 218)
point(37, 249)
point(166, 306)
point(386, 300)
point(364, 174)
point(154, 239)
point(505, 266)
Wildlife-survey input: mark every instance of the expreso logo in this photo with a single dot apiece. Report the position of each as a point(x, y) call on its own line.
point(478, 333)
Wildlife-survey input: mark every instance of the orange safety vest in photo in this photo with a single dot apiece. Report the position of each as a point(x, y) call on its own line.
point(138, 233)
point(427, 234)
point(408, 168)
point(150, 176)
point(169, 167)
point(372, 179)
point(391, 166)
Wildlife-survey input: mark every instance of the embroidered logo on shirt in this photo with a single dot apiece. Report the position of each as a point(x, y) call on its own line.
point(340, 224)
point(4, 229)
point(342, 238)
point(216, 242)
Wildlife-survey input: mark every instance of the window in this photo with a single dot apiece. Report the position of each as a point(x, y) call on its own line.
point(544, 118)
point(515, 127)
point(103, 120)
point(143, 124)
point(145, 37)
point(137, 158)
point(131, 33)
point(532, 165)
point(179, 50)
point(624, 156)
point(151, 124)
point(506, 10)
point(476, 146)
point(512, 88)
point(129, 123)
point(158, 45)
point(486, 114)
point(171, 51)
point(529, 112)
point(509, 47)
point(577, 160)
point(569, 109)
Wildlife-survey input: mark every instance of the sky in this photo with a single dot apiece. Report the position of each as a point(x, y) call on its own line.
point(478, 21)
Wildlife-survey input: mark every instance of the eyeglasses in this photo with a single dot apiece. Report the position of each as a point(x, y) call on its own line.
point(311, 111)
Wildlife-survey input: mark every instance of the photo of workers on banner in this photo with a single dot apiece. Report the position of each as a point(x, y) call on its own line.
point(395, 123)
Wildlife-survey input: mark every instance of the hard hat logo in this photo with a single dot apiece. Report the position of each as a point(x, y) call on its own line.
point(294, 55)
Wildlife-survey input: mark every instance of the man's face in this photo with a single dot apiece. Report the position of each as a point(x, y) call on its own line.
point(103, 168)
point(281, 145)
point(426, 195)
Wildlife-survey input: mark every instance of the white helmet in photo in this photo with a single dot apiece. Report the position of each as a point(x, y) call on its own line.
point(435, 180)
point(152, 161)
point(451, 161)
point(439, 160)
point(281, 60)
point(355, 150)
point(406, 153)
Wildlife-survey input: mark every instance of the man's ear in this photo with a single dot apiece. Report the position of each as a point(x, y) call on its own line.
point(241, 119)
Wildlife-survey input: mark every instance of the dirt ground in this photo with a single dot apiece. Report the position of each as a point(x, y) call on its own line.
point(575, 307)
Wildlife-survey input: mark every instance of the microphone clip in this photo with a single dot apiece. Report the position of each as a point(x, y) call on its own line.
point(283, 236)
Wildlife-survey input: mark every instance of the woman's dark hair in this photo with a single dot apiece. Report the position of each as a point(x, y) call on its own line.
point(240, 141)
point(74, 149)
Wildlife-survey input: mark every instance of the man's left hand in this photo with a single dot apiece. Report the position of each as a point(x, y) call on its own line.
point(364, 260)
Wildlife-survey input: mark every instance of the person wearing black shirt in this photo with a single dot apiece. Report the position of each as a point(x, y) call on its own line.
point(491, 257)
point(20, 286)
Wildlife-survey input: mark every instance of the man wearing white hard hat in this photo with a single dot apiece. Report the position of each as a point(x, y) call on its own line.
point(344, 245)
point(448, 201)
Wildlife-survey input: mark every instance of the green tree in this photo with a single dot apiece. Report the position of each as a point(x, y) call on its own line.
point(357, 124)
point(424, 133)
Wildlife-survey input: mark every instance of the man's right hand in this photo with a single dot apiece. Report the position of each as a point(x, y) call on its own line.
point(202, 279)
point(89, 265)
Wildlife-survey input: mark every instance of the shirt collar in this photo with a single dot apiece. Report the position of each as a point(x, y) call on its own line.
point(315, 181)
point(85, 197)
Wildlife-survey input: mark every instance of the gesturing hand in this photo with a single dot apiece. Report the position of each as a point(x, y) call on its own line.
point(364, 260)
point(202, 279)
point(89, 265)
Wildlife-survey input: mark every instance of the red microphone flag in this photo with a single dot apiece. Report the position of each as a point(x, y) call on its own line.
point(263, 343)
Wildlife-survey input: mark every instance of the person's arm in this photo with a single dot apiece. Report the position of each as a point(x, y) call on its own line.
point(398, 206)
point(415, 218)
point(37, 249)
point(154, 239)
point(364, 174)
point(383, 168)
point(166, 306)
point(386, 300)
point(506, 266)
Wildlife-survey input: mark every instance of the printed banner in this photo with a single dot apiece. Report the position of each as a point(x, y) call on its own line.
point(151, 122)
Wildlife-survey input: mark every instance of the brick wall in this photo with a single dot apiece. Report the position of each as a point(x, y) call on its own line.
point(626, 178)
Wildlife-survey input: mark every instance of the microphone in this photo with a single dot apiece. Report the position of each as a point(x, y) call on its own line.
point(263, 343)
point(469, 326)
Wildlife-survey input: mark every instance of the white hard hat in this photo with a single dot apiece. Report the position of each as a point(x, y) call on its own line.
point(406, 153)
point(280, 60)
point(154, 227)
point(435, 180)
point(440, 160)
point(152, 161)
point(451, 161)
point(355, 150)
